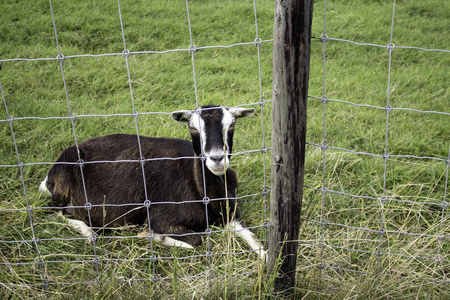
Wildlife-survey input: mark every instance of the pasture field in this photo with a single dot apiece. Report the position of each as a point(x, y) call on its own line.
point(343, 253)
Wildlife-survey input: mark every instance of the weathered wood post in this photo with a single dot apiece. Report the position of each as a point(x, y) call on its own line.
point(291, 49)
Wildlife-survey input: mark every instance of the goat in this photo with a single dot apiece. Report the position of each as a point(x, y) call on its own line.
point(111, 190)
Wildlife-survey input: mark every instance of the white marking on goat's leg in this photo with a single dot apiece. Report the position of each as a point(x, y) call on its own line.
point(249, 237)
point(79, 226)
point(165, 240)
point(43, 186)
point(170, 242)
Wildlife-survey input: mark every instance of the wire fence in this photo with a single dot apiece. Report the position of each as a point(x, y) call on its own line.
point(319, 260)
point(43, 264)
point(381, 249)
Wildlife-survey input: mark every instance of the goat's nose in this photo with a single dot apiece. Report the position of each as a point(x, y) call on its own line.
point(216, 158)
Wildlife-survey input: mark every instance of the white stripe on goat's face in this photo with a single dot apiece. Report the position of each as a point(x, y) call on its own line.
point(212, 126)
point(212, 129)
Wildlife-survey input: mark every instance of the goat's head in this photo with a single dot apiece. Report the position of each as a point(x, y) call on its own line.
point(212, 129)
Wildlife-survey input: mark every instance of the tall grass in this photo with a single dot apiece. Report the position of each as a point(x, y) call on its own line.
point(127, 268)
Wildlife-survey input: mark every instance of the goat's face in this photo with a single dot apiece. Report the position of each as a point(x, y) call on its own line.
point(212, 129)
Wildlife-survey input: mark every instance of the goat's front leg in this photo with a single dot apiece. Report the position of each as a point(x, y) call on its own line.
point(182, 237)
point(79, 226)
point(251, 239)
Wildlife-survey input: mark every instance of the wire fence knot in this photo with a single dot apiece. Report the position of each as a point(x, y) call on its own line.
point(88, 206)
point(192, 49)
point(324, 38)
point(126, 53)
point(93, 238)
point(258, 42)
point(45, 283)
point(390, 46)
point(72, 117)
point(80, 163)
point(388, 109)
point(147, 203)
point(324, 147)
point(60, 57)
point(9, 120)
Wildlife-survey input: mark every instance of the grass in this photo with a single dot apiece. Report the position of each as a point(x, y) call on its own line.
point(348, 268)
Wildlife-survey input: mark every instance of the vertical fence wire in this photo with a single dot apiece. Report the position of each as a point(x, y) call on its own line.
point(192, 50)
point(262, 103)
point(323, 147)
point(80, 162)
point(147, 202)
point(40, 262)
point(383, 198)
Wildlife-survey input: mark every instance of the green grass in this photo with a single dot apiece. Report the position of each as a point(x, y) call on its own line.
point(164, 83)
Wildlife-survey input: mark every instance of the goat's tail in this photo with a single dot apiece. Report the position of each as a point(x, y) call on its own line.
point(43, 186)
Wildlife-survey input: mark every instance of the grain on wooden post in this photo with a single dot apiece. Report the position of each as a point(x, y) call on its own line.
point(291, 49)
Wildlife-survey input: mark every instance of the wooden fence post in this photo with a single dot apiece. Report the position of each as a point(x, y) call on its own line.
point(291, 49)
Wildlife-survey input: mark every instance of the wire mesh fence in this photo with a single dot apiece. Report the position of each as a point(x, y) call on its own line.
point(375, 246)
point(377, 230)
point(44, 258)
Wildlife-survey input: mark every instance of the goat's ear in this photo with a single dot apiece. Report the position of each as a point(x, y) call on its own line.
point(239, 112)
point(182, 116)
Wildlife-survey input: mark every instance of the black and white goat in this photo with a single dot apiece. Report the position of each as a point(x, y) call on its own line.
point(105, 188)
